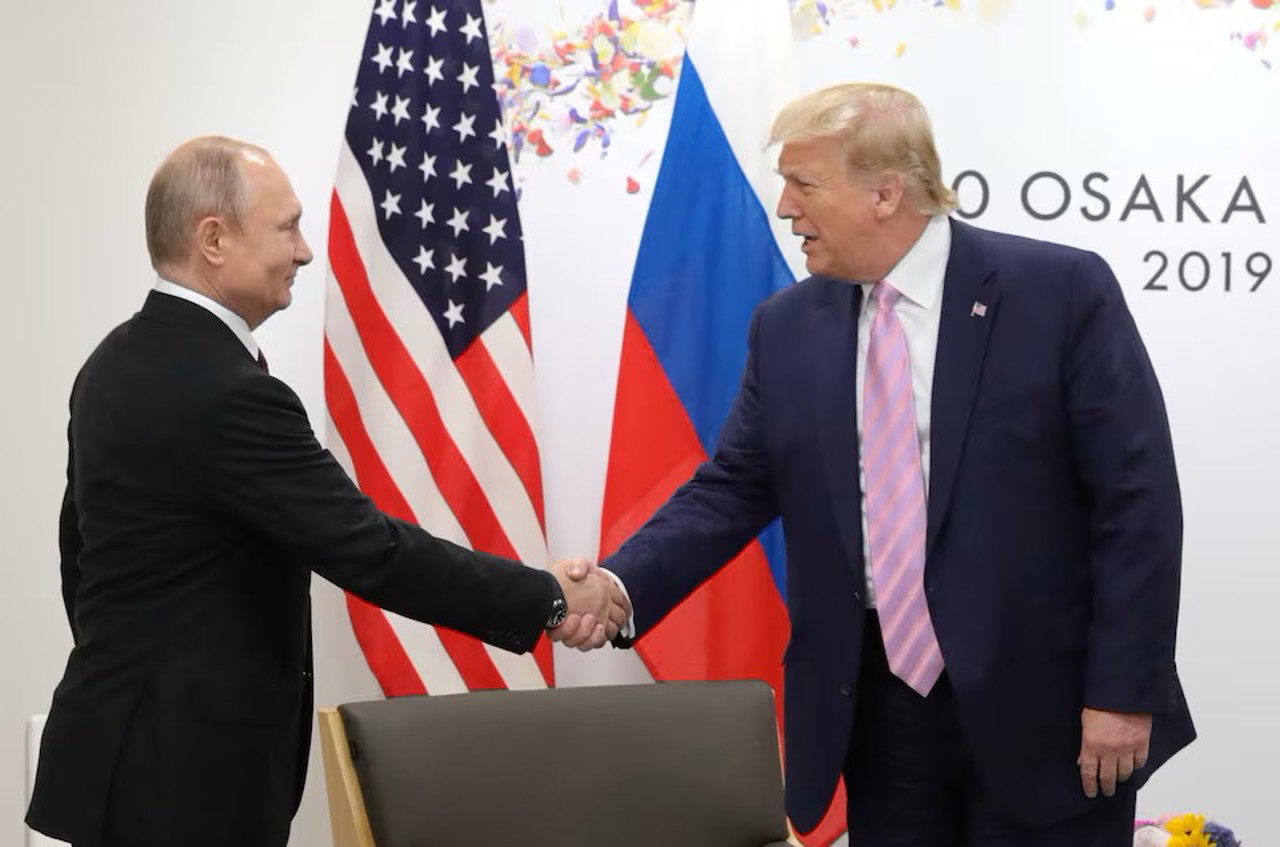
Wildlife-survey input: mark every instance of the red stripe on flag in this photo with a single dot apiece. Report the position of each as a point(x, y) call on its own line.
point(371, 474)
point(504, 418)
point(542, 654)
point(520, 311)
point(390, 664)
point(411, 393)
point(468, 655)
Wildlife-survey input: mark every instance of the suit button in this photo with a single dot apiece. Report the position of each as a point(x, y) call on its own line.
point(846, 689)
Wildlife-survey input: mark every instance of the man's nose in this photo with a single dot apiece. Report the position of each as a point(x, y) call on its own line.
point(787, 206)
point(303, 255)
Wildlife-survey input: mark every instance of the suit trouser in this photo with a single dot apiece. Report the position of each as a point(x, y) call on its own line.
point(912, 783)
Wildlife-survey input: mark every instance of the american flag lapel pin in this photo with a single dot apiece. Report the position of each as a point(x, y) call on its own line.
point(979, 310)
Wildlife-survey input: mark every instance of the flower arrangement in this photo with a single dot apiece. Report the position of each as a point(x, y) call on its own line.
point(1189, 830)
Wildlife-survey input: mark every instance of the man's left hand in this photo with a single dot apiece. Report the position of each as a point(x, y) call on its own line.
point(1112, 746)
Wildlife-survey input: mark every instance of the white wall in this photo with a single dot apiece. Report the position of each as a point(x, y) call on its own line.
point(95, 95)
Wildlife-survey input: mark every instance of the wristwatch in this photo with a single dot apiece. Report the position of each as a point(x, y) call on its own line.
point(559, 608)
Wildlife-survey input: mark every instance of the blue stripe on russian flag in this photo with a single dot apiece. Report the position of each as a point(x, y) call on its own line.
point(707, 258)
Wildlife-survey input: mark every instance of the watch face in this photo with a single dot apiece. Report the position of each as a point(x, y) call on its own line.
point(559, 611)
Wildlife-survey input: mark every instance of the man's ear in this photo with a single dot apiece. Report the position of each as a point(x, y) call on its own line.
point(890, 190)
point(211, 239)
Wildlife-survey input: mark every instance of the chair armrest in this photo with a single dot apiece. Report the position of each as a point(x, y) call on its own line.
point(347, 816)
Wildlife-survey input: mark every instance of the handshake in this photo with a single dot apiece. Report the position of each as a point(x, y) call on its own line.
point(598, 607)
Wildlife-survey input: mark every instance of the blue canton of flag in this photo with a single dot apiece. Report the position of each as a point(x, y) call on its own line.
point(427, 132)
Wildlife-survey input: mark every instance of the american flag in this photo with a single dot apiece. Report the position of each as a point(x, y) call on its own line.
point(428, 366)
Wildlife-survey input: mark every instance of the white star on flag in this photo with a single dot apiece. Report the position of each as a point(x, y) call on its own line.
point(436, 21)
point(471, 28)
point(461, 174)
point(498, 182)
point(492, 275)
point(496, 229)
point(400, 111)
point(391, 205)
point(425, 259)
point(426, 214)
point(459, 221)
point(468, 77)
point(428, 166)
point(457, 267)
point(463, 127)
point(383, 59)
point(395, 159)
point(431, 117)
point(403, 62)
point(434, 69)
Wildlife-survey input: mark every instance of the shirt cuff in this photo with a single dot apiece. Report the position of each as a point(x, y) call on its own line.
point(628, 631)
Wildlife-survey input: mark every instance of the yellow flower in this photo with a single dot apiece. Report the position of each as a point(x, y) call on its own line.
point(1196, 839)
point(1190, 824)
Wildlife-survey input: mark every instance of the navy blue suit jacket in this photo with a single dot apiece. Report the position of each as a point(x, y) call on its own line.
point(1054, 531)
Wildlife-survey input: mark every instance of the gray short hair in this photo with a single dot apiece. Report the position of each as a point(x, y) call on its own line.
point(882, 130)
point(202, 178)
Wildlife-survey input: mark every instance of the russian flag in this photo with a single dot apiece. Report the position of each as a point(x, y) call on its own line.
point(710, 252)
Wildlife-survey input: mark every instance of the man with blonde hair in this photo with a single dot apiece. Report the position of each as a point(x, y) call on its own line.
point(198, 503)
point(968, 448)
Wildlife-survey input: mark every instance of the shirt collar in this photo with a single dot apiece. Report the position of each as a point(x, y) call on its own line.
point(918, 276)
point(234, 322)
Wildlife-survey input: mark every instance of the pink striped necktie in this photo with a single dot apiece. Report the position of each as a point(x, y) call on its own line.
point(896, 505)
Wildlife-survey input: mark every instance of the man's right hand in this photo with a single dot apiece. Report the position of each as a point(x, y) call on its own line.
point(588, 599)
point(597, 608)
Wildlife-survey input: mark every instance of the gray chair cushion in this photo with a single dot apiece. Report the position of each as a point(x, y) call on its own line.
point(678, 764)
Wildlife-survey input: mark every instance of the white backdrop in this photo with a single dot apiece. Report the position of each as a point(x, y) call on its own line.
point(97, 93)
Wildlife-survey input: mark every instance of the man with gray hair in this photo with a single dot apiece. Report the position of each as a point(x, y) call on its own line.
point(198, 502)
point(968, 448)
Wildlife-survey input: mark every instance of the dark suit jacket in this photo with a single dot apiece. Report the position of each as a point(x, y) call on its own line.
point(1054, 532)
point(198, 502)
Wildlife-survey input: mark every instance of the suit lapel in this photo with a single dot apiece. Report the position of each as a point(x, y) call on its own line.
point(836, 342)
point(970, 300)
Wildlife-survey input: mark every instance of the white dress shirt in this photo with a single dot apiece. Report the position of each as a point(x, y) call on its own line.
point(918, 276)
point(234, 322)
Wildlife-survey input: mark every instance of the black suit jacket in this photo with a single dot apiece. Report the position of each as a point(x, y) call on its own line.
point(198, 503)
